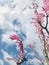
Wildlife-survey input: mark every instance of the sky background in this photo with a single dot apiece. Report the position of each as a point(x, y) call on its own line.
point(15, 18)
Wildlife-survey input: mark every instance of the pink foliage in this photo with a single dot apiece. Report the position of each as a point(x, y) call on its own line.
point(38, 28)
point(21, 55)
point(39, 19)
point(46, 6)
point(14, 37)
point(31, 45)
point(20, 44)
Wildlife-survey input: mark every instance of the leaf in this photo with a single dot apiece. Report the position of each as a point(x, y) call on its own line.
point(46, 6)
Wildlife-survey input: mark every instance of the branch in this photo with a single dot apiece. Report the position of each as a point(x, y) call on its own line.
point(22, 60)
point(45, 27)
point(41, 25)
point(45, 50)
point(46, 21)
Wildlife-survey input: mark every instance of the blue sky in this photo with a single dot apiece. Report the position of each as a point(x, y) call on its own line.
point(15, 18)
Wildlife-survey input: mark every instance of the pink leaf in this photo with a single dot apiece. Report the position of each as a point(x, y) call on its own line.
point(21, 46)
point(21, 55)
point(46, 5)
point(14, 37)
point(40, 17)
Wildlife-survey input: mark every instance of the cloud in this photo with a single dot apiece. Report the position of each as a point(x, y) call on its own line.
point(4, 23)
point(1, 62)
point(34, 60)
point(5, 56)
point(7, 15)
point(6, 38)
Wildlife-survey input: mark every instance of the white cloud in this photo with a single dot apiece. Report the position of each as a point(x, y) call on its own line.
point(4, 9)
point(4, 23)
point(1, 62)
point(7, 15)
point(35, 61)
point(5, 56)
point(6, 37)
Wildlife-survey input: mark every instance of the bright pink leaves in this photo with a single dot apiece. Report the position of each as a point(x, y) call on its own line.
point(20, 44)
point(14, 37)
point(39, 16)
point(46, 6)
point(39, 19)
point(38, 28)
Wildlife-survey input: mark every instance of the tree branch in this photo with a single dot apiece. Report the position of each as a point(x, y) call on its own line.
point(45, 26)
point(22, 60)
point(46, 21)
point(41, 25)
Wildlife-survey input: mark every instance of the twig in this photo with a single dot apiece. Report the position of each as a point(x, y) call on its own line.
point(19, 62)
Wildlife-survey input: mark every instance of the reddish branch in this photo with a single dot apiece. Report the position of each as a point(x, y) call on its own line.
point(19, 42)
point(20, 45)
